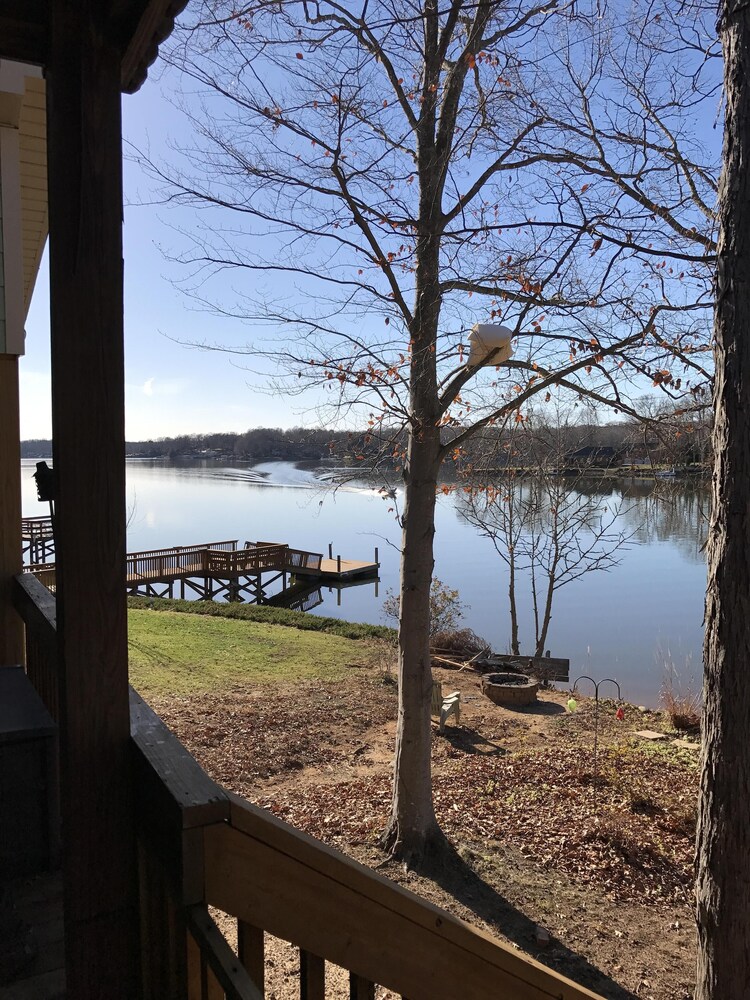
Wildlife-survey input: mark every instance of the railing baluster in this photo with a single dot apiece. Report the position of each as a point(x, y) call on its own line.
point(312, 976)
point(194, 969)
point(214, 990)
point(360, 988)
point(250, 949)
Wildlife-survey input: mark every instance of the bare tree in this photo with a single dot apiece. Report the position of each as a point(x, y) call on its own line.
point(400, 166)
point(550, 530)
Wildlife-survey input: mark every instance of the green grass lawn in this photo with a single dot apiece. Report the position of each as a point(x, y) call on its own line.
point(176, 653)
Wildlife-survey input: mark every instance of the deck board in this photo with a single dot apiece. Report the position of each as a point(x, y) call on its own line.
point(329, 568)
point(38, 903)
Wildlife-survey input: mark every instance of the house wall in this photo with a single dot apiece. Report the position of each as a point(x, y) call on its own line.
point(11, 629)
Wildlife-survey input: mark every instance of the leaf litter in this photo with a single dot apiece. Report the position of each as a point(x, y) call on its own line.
point(518, 793)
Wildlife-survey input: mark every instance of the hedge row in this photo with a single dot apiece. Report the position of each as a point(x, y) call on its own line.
point(270, 616)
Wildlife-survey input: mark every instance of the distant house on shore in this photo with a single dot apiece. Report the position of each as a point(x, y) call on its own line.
point(593, 457)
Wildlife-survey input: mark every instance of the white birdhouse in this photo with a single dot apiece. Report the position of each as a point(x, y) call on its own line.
point(489, 344)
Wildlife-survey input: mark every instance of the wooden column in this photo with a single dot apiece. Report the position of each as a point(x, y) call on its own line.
point(86, 295)
point(11, 628)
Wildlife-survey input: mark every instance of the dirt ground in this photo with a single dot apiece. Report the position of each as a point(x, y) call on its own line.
point(596, 848)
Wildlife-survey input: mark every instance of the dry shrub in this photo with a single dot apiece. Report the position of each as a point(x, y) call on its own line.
point(385, 661)
point(680, 700)
point(462, 643)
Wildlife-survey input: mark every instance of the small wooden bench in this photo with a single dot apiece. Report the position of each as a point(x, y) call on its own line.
point(445, 706)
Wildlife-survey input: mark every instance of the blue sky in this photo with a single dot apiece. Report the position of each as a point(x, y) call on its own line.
point(170, 389)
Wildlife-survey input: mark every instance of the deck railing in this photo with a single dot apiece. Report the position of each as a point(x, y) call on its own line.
point(37, 539)
point(298, 559)
point(163, 564)
point(200, 846)
point(34, 528)
point(38, 609)
point(293, 558)
point(251, 559)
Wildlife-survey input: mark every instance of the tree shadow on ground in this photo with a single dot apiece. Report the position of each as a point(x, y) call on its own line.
point(457, 877)
point(470, 741)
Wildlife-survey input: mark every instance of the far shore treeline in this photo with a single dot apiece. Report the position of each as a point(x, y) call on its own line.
point(677, 441)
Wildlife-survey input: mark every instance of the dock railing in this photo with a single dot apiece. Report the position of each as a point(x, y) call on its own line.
point(201, 846)
point(296, 558)
point(251, 559)
point(34, 528)
point(171, 563)
point(37, 539)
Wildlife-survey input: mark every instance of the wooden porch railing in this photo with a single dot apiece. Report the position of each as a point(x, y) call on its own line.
point(38, 609)
point(200, 846)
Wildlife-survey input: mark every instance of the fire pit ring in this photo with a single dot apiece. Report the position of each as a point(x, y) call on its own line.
point(510, 689)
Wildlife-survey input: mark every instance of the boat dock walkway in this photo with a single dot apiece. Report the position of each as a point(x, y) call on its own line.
point(221, 569)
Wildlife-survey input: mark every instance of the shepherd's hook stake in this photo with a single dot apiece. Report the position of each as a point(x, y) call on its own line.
point(597, 684)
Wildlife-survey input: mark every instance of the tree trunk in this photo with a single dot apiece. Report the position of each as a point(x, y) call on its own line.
point(514, 645)
point(510, 538)
point(534, 594)
point(541, 639)
point(541, 636)
point(412, 831)
point(723, 853)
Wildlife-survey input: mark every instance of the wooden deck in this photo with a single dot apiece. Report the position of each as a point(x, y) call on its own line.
point(334, 570)
point(221, 569)
point(38, 911)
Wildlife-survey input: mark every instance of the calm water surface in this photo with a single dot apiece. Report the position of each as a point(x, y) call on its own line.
point(623, 623)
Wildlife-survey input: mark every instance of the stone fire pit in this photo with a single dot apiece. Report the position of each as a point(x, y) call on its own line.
point(510, 689)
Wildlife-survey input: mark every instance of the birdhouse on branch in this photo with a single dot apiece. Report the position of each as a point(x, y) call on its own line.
point(489, 344)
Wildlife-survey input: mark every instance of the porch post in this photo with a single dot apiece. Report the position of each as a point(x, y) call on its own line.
point(86, 295)
point(11, 628)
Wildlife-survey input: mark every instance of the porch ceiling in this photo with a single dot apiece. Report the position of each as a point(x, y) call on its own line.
point(32, 137)
point(138, 27)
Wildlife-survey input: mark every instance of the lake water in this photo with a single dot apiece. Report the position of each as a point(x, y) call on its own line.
point(623, 623)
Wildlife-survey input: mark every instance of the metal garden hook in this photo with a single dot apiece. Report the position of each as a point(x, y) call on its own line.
point(597, 685)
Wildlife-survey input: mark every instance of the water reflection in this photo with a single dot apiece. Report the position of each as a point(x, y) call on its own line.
point(675, 512)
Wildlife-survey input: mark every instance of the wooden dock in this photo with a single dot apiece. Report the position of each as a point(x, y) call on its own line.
point(214, 570)
point(336, 571)
point(37, 539)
